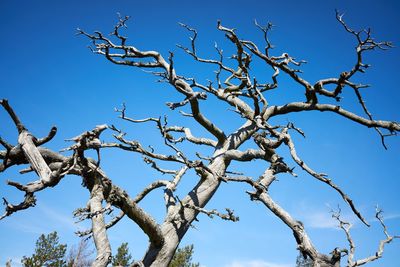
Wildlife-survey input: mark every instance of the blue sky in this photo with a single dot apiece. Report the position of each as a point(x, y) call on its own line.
point(51, 78)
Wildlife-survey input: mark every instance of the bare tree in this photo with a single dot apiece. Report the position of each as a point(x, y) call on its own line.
point(81, 255)
point(234, 85)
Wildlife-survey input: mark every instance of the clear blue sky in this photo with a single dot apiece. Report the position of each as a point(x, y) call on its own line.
point(51, 78)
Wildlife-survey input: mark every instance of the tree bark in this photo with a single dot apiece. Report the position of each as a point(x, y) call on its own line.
point(101, 241)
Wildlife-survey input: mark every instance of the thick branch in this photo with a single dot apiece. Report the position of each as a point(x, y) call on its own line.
point(189, 136)
point(301, 106)
point(149, 188)
point(120, 198)
point(34, 157)
point(247, 155)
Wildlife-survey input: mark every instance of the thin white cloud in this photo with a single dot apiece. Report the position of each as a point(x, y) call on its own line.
point(42, 221)
point(387, 217)
point(27, 226)
point(256, 263)
point(313, 217)
point(64, 220)
point(391, 217)
point(322, 220)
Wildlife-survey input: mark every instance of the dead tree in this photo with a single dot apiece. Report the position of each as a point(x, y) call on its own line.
point(234, 85)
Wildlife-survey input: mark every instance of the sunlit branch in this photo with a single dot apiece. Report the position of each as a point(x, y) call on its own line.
point(301, 106)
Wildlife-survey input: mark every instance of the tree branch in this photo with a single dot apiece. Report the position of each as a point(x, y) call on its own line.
point(103, 46)
point(301, 106)
point(29, 201)
point(229, 216)
point(14, 117)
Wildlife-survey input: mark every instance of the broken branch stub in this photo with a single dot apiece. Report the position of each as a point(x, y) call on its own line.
point(25, 139)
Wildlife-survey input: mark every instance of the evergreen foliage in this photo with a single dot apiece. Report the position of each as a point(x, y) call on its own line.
point(48, 252)
point(123, 257)
point(183, 257)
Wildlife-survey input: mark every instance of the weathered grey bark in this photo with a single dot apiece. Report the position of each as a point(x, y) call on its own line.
point(100, 238)
point(179, 219)
point(245, 95)
point(34, 157)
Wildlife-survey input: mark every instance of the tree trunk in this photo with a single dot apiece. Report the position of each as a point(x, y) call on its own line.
point(102, 244)
point(178, 222)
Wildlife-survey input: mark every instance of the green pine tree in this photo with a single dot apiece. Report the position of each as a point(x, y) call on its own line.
point(123, 257)
point(183, 257)
point(48, 252)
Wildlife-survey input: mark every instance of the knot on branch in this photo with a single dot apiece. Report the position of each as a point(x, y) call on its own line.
point(88, 139)
point(279, 166)
point(255, 196)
